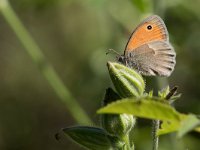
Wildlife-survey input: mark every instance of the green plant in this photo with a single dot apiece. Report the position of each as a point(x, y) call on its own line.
point(120, 110)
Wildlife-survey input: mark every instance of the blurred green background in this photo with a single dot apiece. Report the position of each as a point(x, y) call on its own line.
point(75, 35)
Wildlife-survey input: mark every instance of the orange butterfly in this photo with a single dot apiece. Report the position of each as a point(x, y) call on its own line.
point(148, 49)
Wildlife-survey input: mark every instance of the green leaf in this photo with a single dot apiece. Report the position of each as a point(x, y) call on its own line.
point(127, 82)
point(150, 108)
point(163, 93)
point(168, 127)
point(150, 94)
point(188, 124)
point(89, 137)
point(174, 98)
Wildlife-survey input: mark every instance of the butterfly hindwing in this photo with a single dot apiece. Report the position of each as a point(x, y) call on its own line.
point(154, 58)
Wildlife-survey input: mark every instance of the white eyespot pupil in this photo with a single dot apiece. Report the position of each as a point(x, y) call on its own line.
point(149, 27)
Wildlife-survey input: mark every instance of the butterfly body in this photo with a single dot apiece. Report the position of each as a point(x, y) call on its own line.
point(148, 50)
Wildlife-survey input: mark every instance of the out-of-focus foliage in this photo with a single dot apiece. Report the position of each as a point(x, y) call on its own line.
point(75, 35)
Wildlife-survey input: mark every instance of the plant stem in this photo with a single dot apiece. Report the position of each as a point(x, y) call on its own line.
point(44, 67)
point(156, 124)
point(127, 142)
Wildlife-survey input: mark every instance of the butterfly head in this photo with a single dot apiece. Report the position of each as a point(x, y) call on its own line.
point(121, 59)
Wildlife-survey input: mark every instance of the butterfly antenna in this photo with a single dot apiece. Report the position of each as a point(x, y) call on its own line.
point(113, 51)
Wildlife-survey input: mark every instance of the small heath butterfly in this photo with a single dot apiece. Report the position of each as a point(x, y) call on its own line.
point(148, 49)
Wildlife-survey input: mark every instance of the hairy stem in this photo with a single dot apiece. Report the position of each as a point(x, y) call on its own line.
point(127, 141)
point(156, 124)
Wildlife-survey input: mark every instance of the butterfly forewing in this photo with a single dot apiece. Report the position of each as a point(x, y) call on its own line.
point(151, 29)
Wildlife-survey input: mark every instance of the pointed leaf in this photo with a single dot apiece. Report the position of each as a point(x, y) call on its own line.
point(89, 137)
point(188, 124)
point(150, 94)
point(150, 108)
point(163, 93)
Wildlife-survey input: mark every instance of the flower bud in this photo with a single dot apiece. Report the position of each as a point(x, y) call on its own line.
point(127, 82)
point(116, 124)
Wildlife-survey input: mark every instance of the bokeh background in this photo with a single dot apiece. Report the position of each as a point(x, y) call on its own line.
point(75, 35)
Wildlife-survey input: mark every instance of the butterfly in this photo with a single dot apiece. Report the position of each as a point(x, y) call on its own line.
point(148, 50)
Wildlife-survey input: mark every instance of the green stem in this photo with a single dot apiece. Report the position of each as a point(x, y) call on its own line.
point(156, 124)
point(127, 142)
point(39, 59)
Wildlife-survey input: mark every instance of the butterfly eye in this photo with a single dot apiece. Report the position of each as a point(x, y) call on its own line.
point(149, 27)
